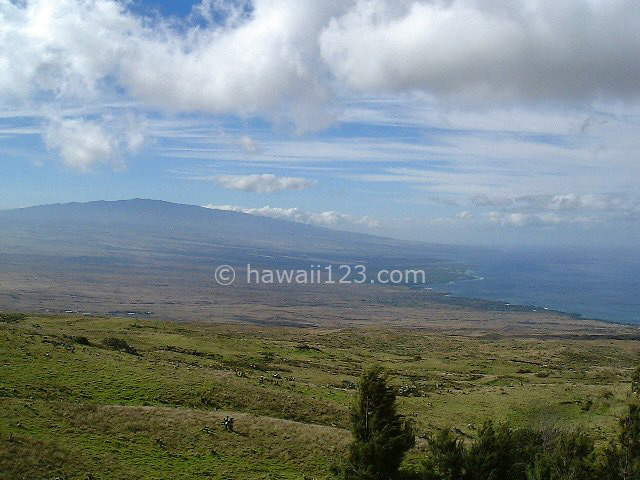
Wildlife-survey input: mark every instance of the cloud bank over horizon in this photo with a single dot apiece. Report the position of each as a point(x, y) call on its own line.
point(330, 219)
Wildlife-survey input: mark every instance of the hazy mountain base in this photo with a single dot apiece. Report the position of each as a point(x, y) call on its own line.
point(180, 295)
point(75, 408)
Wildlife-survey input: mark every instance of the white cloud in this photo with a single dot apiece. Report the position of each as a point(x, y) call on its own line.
point(562, 202)
point(560, 210)
point(248, 144)
point(277, 58)
point(260, 61)
point(482, 50)
point(329, 219)
point(262, 182)
point(520, 219)
point(83, 144)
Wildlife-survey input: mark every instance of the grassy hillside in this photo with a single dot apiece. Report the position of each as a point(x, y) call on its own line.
point(74, 407)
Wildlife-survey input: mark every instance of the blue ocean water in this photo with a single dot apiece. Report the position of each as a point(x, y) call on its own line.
point(599, 284)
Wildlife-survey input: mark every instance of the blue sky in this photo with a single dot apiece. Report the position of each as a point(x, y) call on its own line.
point(502, 122)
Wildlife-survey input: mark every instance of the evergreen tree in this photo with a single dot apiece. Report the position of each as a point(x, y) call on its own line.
point(381, 436)
point(446, 459)
point(501, 453)
point(565, 456)
point(497, 453)
point(622, 460)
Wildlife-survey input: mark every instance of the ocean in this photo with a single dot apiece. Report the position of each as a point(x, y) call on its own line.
point(599, 284)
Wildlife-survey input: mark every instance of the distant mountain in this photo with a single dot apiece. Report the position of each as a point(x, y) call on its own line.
point(156, 222)
point(152, 232)
point(141, 256)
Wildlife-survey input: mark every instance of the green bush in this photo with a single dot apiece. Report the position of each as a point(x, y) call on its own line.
point(12, 317)
point(498, 453)
point(119, 344)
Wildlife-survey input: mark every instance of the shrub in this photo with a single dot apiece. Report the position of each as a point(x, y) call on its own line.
point(119, 344)
point(500, 453)
point(12, 317)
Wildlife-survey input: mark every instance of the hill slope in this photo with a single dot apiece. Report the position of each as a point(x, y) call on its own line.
point(75, 408)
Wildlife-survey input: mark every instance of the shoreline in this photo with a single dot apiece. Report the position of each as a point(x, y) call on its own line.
point(490, 304)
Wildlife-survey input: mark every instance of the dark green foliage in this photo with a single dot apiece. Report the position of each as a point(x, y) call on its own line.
point(630, 441)
point(499, 453)
point(622, 459)
point(119, 344)
point(446, 457)
point(565, 456)
point(520, 454)
point(381, 436)
point(12, 317)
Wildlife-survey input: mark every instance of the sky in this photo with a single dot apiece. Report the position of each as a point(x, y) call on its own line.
point(489, 122)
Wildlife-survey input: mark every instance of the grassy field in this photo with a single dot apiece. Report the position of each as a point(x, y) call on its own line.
point(73, 407)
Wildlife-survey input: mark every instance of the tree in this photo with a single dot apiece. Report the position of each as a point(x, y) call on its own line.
point(497, 453)
point(500, 452)
point(622, 460)
point(446, 459)
point(381, 437)
point(565, 456)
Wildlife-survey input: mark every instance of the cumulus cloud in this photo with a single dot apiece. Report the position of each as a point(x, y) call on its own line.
point(329, 219)
point(254, 61)
point(478, 50)
point(520, 219)
point(267, 56)
point(560, 209)
point(298, 62)
point(562, 202)
point(83, 144)
point(262, 183)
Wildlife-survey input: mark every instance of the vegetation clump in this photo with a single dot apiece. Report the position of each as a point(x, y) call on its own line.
point(12, 317)
point(525, 454)
point(82, 340)
point(120, 345)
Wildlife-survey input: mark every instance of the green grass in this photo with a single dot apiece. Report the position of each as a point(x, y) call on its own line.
point(74, 407)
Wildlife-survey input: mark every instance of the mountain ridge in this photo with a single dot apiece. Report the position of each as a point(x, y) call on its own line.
point(159, 222)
